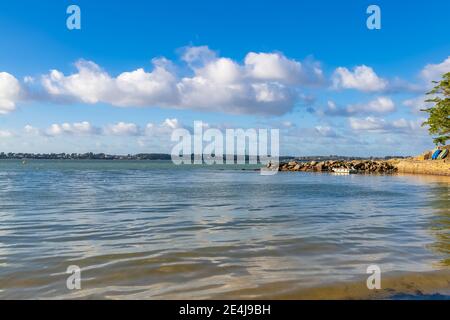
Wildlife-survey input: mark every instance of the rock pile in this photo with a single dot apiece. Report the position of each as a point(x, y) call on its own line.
point(360, 166)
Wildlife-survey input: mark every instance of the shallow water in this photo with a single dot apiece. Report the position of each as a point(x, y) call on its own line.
point(155, 230)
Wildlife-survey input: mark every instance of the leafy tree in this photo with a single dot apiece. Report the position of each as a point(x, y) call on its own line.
point(439, 114)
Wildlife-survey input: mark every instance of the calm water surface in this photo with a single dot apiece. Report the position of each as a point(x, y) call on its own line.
point(154, 230)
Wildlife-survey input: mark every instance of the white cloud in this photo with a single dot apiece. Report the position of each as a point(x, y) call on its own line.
point(198, 56)
point(9, 92)
point(120, 128)
point(92, 85)
point(123, 129)
point(362, 78)
point(378, 105)
point(374, 124)
point(417, 104)
point(434, 72)
point(431, 72)
point(288, 124)
point(409, 125)
point(5, 134)
point(83, 128)
point(331, 106)
point(29, 129)
point(326, 131)
point(276, 67)
point(365, 79)
point(55, 130)
point(162, 129)
point(28, 79)
point(263, 84)
point(76, 128)
point(367, 124)
point(171, 123)
point(221, 71)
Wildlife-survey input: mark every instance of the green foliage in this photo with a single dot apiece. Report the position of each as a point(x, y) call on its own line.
point(439, 114)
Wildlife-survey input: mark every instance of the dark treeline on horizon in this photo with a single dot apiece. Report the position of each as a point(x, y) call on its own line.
point(157, 156)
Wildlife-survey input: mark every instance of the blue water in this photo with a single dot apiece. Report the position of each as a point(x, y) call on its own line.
point(155, 230)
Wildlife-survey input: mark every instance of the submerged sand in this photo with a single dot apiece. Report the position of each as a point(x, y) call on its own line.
point(422, 285)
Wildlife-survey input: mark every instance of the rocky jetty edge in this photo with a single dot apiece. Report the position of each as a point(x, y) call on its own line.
point(417, 165)
point(358, 166)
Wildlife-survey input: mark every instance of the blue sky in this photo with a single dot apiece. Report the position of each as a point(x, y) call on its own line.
point(312, 69)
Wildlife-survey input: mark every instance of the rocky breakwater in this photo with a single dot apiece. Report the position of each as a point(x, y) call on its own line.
point(358, 166)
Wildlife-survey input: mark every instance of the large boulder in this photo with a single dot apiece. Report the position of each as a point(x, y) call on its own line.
point(318, 167)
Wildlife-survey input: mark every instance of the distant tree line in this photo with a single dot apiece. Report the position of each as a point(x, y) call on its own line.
point(85, 156)
point(157, 156)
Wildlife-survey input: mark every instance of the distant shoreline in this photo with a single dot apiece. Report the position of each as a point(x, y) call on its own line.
point(163, 156)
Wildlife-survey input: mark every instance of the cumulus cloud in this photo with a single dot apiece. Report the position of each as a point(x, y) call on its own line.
point(322, 133)
point(76, 128)
point(367, 124)
point(379, 105)
point(161, 130)
point(431, 72)
point(91, 84)
point(263, 83)
point(362, 78)
point(9, 92)
point(197, 56)
point(123, 129)
point(416, 104)
point(276, 67)
point(5, 134)
point(29, 129)
point(434, 72)
point(288, 124)
point(171, 123)
point(326, 131)
point(266, 83)
point(374, 124)
point(120, 128)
